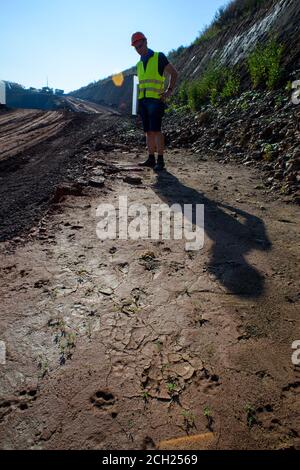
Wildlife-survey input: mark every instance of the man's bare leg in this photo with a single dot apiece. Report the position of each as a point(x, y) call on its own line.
point(151, 142)
point(160, 145)
point(155, 142)
point(151, 145)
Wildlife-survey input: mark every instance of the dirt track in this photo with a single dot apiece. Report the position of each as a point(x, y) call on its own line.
point(38, 150)
point(21, 129)
point(124, 344)
point(79, 105)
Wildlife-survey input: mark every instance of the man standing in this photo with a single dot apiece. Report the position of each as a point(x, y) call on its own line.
point(152, 96)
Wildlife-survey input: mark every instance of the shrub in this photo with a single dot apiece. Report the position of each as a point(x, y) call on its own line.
point(264, 64)
point(257, 66)
point(210, 83)
point(216, 84)
point(183, 94)
point(274, 54)
point(231, 86)
point(194, 100)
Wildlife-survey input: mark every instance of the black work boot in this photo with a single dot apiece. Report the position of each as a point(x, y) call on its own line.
point(160, 163)
point(150, 162)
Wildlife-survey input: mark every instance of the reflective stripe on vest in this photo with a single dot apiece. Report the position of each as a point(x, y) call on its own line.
point(151, 83)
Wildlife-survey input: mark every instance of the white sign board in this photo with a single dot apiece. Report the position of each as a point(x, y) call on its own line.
point(135, 95)
point(2, 92)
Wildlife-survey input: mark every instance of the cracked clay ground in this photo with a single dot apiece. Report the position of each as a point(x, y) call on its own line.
point(127, 344)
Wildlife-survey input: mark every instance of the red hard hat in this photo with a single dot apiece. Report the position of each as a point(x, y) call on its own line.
point(137, 37)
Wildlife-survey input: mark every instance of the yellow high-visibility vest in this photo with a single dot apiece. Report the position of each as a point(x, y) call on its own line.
point(151, 83)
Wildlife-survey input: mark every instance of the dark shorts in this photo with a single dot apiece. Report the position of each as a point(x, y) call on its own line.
point(151, 111)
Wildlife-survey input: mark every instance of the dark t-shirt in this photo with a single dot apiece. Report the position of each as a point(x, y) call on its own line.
point(162, 61)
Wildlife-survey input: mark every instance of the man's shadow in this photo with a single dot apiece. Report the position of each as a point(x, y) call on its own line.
point(232, 239)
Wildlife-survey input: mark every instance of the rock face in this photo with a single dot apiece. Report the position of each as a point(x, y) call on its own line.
point(232, 44)
point(278, 19)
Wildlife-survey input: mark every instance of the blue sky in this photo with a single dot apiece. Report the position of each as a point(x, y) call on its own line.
point(75, 42)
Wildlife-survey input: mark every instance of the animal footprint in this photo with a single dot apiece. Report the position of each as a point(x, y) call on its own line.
point(148, 444)
point(291, 390)
point(103, 400)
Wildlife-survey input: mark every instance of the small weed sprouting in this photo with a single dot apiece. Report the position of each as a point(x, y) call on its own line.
point(43, 366)
point(89, 329)
point(171, 387)
point(208, 415)
point(268, 152)
point(189, 420)
point(145, 396)
point(159, 345)
point(279, 101)
point(130, 423)
point(251, 418)
point(245, 106)
point(66, 341)
point(289, 86)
